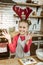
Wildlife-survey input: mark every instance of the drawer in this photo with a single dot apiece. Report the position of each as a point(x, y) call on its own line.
point(4, 53)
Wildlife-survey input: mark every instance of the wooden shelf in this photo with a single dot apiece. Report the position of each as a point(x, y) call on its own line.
point(22, 4)
point(41, 17)
point(33, 34)
point(36, 17)
point(37, 35)
point(29, 4)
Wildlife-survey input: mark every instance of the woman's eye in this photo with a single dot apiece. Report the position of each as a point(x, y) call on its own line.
point(23, 27)
point(20, 27)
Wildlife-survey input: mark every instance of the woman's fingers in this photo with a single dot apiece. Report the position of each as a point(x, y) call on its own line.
point(7, 36)
point(3, 33)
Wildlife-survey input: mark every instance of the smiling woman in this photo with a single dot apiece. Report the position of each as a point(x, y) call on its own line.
point(21, 42)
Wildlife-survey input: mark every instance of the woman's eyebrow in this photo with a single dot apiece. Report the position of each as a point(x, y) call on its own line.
point(20, 26)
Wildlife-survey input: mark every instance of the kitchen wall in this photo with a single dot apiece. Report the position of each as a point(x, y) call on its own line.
point(7, 19)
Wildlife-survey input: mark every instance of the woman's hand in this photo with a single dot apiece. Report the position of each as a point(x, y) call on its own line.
point(7, 36)
point(28, 37)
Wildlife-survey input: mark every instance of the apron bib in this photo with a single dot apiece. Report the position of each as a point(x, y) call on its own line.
point(19, 50)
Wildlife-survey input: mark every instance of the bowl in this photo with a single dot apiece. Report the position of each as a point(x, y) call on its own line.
point(39, 54)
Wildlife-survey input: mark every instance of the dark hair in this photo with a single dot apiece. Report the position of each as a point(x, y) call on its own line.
point(26, 21)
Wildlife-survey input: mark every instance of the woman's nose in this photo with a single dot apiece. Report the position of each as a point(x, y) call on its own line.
point(21, 28)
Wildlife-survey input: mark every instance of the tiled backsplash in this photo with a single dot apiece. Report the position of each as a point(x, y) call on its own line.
point(7, 19)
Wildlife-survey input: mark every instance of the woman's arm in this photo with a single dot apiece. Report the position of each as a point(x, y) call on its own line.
point(27, 45)
point(13, 44)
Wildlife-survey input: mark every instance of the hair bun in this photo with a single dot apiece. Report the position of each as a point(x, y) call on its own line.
point(29, 22)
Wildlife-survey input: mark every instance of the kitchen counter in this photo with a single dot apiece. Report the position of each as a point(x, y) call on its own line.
point(33, 35)
point(14, 61)
point(37, 35)
point(15, 33)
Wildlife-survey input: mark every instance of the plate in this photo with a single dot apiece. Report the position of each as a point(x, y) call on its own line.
point(40, 63)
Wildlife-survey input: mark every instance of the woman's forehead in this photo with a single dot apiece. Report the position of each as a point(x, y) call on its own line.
point(23, 24)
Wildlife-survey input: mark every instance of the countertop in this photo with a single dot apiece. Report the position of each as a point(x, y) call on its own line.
point(15, 33)
point(33, 34)
point(14, 61)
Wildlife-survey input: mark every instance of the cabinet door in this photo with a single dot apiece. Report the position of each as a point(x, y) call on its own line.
point(4, 50)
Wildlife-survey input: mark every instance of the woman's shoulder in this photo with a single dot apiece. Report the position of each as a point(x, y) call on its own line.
point(16, 36)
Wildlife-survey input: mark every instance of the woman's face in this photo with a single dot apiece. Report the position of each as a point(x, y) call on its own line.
point(23, 28)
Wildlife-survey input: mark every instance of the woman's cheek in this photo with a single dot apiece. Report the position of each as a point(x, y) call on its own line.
point(19, 30)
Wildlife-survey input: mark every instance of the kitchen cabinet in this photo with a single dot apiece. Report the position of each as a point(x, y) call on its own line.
point(4, 50)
